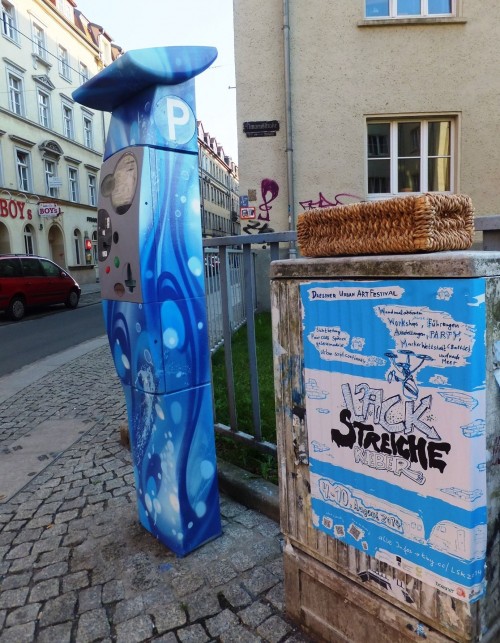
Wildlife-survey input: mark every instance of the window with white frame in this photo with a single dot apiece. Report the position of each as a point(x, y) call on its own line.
point(23, 165)
point(105, 50)
point(68, 129)
point(50, 170)
point(64, 66)
point(409, 8)
point(411, 155)
point(73, 185)
point(66, 9)
point(39, 42)
point(9, 28)
point(92, 186)
point(84, 72)
point(29, 240)
point(44, 115)
point(87, 131)
point(16, 93)
point(77, 238)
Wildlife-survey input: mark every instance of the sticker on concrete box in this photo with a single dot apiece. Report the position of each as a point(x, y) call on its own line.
point(395, 400)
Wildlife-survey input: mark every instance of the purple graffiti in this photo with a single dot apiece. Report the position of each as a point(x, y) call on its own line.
point(269, 190)
point(323, 202)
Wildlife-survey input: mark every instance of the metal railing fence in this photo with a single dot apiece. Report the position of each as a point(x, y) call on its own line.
point(235, 284)
point(231, 267)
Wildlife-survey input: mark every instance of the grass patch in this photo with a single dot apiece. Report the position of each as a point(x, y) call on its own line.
point(252, 460)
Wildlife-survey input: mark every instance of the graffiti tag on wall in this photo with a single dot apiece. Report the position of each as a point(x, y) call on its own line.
point(343, 198)
point(269, 190)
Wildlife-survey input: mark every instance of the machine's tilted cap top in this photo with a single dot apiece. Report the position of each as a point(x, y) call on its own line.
point(139, 69)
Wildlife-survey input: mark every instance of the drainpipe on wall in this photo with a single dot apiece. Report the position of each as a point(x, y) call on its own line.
point(289, 138)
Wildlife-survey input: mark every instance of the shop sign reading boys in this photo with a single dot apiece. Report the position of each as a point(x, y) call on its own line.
point(14, 209)
point(395, 408)
point(49, 210)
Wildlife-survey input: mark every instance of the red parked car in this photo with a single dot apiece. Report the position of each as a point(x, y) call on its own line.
point(27, 281)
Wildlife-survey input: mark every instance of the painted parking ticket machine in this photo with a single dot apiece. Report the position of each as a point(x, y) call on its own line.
point(152, 281)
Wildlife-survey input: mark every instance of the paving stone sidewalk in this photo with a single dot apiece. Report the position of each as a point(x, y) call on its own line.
point(76, 566)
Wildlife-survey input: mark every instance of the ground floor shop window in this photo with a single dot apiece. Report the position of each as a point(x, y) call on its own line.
point(78, 247)
point(29, 240)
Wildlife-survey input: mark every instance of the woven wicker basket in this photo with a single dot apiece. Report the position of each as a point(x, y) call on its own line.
point(429, 222)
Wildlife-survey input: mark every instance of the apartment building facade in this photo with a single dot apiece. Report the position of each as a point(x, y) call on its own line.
point(50, 147)
point(366, 99)
point(219, 187)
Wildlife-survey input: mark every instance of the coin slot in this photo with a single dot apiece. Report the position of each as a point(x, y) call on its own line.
point(130, 282)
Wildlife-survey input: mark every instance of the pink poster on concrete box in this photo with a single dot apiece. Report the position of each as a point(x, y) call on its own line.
point(395, 402)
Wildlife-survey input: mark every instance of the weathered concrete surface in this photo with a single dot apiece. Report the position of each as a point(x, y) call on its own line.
point(305, 582)
point(436, 264)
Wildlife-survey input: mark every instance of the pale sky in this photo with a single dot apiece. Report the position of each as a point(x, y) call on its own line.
point(160, 23)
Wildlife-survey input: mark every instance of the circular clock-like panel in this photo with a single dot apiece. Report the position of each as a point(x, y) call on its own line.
point(107, 185)
point(125, 183)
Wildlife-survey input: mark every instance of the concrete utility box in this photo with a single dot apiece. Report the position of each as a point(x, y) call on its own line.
point(388, 413)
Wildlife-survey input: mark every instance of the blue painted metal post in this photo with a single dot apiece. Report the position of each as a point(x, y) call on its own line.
point(152, 282)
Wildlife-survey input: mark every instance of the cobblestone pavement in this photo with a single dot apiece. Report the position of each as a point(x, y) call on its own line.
point(76, 566)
